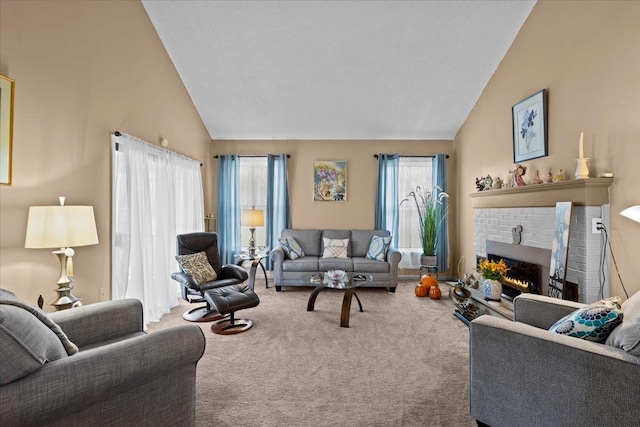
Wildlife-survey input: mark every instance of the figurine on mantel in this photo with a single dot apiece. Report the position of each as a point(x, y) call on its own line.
point(536, 178)
point(479, 183)
point(549, 177)
point(497, 183)
point(488, 183)
point(559, 176)
point(518, 173)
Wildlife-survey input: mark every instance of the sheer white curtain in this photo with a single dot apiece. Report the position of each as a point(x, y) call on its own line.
point(156, 195)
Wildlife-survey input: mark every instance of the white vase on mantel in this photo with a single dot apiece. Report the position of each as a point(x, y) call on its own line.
point(492, 290)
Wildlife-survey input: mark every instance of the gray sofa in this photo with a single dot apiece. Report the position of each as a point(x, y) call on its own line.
point(119, 376)
point(296, 272)
point(522, 374)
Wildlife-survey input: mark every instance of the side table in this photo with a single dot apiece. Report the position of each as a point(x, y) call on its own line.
point(256, 260)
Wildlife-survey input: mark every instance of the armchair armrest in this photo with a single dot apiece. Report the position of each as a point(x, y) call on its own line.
point(523, 375)
point(101, 321)
point(232, 271)
point(102, 373)
point(541, 311)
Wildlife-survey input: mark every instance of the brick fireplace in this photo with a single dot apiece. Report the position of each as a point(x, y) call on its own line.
point(495, 217)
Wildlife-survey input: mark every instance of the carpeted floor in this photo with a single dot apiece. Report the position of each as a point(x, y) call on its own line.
point(403, 362)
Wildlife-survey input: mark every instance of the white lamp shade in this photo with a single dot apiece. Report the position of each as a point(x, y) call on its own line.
point(632, 213)
point(60, 227)
point(253, 217)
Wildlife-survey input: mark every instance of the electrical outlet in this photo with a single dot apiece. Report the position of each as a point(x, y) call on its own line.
point(594, 225)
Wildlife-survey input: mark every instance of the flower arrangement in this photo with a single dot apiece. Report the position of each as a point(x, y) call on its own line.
point(493, 270)
point(432, 210)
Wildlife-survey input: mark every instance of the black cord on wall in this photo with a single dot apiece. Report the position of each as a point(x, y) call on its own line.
point(613, 257)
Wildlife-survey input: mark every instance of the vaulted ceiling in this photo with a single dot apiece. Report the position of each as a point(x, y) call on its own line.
point(336, 69)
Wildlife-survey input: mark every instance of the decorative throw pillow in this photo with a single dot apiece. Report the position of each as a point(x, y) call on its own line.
point(335, 248)
point(627, 335)
point(197, 265)
point(378, 248)
point(593, 322)
point(291, 248)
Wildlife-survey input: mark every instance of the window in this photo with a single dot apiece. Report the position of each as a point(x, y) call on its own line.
point(253, 193)
point(412, 172)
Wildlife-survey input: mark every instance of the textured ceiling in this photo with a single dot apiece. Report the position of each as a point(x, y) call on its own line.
point(336, 69)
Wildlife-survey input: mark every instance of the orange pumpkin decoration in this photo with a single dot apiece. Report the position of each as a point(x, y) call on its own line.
point(434, 292)
point(421, 290)
point(428, 281)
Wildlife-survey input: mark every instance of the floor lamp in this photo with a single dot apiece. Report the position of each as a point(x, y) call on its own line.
point(632, 213)
point(61, 227)
point(253, 218)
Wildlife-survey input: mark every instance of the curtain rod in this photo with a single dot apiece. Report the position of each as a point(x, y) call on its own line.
point(400, 155)
point(253, 155)
point(117, 133)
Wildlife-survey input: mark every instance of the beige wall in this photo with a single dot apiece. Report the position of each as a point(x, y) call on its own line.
point(82, 71)
point(587, 54)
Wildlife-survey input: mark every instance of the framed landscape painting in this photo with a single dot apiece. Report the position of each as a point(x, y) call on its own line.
point(529, 118)
point(6, 128)
point(330, 181)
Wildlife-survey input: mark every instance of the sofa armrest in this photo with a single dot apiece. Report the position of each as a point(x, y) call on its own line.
point(541, 311)
point(393, 257)
point(96, 375)
point(523, 375)
point(101, 321)
point(277, 259)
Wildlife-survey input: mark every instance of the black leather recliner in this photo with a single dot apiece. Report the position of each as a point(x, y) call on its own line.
point(227, 275)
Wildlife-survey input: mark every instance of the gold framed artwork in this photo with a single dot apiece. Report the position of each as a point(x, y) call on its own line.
point(7, 89)
point(330, 181)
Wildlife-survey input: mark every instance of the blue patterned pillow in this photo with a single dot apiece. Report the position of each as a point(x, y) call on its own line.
point(593, 322)
point(378, 248)
point(291, 248)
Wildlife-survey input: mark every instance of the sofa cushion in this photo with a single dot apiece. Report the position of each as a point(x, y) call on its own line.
point(366, 265)
point(378, 248)
point(197, 265)
point(627, 335)
point(593, 322)
point(326, 264)
point(309, 240)
point(28, 339)
point(307, 263)
point(291, 248)
point(335, 248)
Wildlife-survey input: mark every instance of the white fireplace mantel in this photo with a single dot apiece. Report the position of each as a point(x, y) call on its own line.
point(582, 192)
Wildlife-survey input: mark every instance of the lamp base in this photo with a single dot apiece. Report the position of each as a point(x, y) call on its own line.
point(252, 243)
point(65, 298)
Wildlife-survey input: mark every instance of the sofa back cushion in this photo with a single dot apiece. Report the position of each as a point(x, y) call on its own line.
point(309, 240)
point(361, 239)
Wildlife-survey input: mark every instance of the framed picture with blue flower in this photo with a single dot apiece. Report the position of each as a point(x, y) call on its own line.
point(529, 118)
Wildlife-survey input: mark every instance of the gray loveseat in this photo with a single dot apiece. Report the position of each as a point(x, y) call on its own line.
point(523, 375)
point(296, 272)
point(119, 376)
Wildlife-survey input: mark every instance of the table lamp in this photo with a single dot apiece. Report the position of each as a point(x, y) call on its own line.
point(632, 213)
point(61, 227)
point(253, 218)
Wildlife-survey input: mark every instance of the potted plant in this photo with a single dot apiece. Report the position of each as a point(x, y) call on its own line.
point(492, 271)
point(432, 209)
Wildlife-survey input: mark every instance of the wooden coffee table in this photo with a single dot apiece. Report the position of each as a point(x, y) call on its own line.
point(349, 283)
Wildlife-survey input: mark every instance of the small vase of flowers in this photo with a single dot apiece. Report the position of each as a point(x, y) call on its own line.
point(492, 271)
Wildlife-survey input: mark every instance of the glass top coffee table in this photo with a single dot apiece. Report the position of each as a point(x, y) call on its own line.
point(348, 283)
